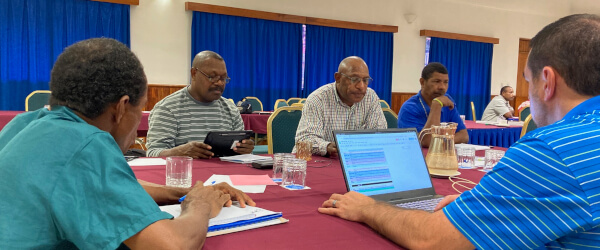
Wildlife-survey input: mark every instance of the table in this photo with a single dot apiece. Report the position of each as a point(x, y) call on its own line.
point(307, 228)
point(490, 135)
point(256, 122)
point(7, 116)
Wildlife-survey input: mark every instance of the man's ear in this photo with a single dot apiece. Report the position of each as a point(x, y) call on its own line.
point(121, 108)
point(549, 78)
point(422, 81)
point(337, 76)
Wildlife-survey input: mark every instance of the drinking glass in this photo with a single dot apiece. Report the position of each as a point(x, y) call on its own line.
point(179, 171)
point(294, 174)
point(278, 160)
point(304, 150)
point(492, 157)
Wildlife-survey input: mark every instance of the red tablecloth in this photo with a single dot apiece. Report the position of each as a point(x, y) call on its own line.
point(6, 116)
point(256, 122)
point(307, 228)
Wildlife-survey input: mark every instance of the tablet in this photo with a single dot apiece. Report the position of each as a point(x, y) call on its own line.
point(223, 142)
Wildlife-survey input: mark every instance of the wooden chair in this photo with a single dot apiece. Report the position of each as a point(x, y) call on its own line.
point(256, 104)
point(391, 117)
point(37, 99)
point(528, 126)
point(293, 100)
point(384, 104)
point(473, 111)
point(280, 103)
point(524, 114)
point(281, 129)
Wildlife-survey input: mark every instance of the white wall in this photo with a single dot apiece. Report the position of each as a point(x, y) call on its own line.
point(161, 29)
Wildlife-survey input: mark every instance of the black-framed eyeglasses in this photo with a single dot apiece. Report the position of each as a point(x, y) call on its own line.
point(355, 80)
point(215, 79)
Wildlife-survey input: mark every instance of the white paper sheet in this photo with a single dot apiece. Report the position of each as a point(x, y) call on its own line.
point(147, 162)
point(477, 147)
point(253, 189)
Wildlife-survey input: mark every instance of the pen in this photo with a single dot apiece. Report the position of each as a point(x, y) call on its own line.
point(183, 197)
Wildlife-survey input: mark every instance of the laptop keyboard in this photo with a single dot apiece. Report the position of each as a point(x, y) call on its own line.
point(427, 205)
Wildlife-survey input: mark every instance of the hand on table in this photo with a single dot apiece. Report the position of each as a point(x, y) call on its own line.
point(349, 206)
point(332, 149)
point(235, 195)
point(201, 195)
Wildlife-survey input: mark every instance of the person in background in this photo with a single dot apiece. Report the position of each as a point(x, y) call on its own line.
point(346, 104)
point(499, 106)
point(432, 106)
point(543, 193)
point(179, 123)
point(65, 182)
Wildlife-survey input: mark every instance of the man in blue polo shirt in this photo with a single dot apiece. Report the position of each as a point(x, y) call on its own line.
point(544, 192)
point(432, 105)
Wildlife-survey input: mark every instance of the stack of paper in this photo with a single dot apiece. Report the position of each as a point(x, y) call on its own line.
point(477, 147)
point(234, 218)
point(245, 158)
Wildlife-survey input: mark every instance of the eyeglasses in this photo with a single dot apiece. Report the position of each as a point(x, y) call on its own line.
point(215, 79)
point(355, 80)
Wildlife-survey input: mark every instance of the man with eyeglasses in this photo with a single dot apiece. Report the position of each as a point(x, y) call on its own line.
point(432, 105)
point(179, 123)
point(346, 104)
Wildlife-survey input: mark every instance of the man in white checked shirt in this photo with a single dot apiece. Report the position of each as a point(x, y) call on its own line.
point(544, 192)
point(346, 104)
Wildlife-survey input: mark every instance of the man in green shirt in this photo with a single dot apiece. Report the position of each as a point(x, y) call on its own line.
point(64, 180)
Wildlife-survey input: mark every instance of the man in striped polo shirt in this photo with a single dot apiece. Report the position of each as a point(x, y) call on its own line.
point(179, 123)
point(545, 191)
point(346, 104)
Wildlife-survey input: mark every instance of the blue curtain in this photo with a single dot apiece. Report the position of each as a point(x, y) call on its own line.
point(470, 70)
point(34, 32)
point(326, 47)
point(263, 57)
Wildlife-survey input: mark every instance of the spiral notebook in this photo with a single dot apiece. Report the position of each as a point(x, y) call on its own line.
point(234, 219)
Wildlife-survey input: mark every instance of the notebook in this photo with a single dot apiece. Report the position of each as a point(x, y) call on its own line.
point(234, 218)
point(387, 165)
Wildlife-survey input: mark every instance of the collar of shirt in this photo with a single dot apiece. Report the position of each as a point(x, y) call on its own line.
point(337, 97)
point(585, 107)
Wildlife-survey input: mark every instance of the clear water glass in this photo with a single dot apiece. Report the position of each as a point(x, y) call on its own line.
point(179, 171)
point(294, 174)
point(492, 157)
point(278, 160)
point(467, 157)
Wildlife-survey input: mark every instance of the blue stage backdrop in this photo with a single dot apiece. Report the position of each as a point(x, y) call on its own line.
point(34, 32)
point(263, 57)
point(469, 69)
point(326, 47)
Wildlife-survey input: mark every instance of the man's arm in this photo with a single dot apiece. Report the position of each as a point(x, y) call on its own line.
point(162, 130)
point(188, 231)
point(461, 137)
point(434, 118)
point(162, 194)
point(311, 128)
point(413, 229)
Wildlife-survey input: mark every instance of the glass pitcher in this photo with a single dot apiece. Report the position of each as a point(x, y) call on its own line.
point(441, 157)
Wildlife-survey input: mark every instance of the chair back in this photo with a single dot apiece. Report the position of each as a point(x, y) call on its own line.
point(473, 111)
point(280, 103)
point(524, 113)
point(390, 117)
point(293, 100)
point(37, 99)
point(256, 104)
point(281, 129)
point(384, 104)
point(297, 105)
point(303, 100)
point(528, 126)
point(231, 100)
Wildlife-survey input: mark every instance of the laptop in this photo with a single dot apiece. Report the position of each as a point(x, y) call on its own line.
point(387, 165)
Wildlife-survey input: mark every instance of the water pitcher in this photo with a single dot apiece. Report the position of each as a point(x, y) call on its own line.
point(441, 157)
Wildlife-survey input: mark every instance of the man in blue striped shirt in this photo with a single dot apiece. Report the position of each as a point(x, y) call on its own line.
point(545, 192)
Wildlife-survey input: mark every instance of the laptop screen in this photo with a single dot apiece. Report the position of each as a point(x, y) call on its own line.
point(382, 162)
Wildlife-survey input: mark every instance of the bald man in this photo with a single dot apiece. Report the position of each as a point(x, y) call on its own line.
point(179, 123)
point(346, 104)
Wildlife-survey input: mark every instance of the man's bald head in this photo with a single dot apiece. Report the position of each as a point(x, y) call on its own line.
point(352, 63)
point(203, 56)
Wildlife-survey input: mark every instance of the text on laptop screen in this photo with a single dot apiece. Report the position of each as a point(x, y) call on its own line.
point(381, 163)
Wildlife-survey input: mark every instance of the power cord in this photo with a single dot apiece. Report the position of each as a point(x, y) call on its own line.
point(460, 181)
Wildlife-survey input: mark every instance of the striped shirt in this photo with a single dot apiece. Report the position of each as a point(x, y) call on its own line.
point(179, 118)
point(324, 112)
point(545, 192)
